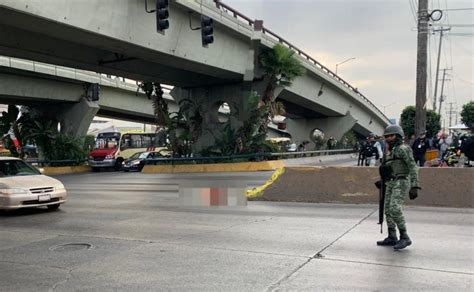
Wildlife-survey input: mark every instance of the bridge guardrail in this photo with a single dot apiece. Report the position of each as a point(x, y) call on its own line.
point(229, 10)
point(72, 73)
point(246, 157)
point(199, 160)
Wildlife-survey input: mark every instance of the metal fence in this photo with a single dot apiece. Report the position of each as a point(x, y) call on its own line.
point(202, 160)
point(245, 157)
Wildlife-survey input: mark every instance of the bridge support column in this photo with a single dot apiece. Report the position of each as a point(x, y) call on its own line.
point(335, 127)
point(76, 118)
point(209, 100)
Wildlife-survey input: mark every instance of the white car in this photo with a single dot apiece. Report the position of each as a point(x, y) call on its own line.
point(291, 147)
point(23, 186)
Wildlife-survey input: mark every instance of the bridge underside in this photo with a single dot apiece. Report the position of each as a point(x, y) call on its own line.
point(29, 37)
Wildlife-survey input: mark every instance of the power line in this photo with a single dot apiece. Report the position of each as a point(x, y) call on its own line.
point(413, 10)
point(459, 9)
point(454, 25)
point(459, 46)
point(462, 34)
point(455, 75)
point(447, 14)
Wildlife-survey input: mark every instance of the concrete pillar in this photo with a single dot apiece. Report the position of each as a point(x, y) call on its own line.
point(209, 99)
point(75, 118)
point(334, 126)
point(301, 129)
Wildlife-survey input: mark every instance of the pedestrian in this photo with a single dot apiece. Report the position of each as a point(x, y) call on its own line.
point(400, 174)
point(331, 143)
point(380, 150)
point(442, 146)
point(370, 151)
point(419, 148)
point(301, 147)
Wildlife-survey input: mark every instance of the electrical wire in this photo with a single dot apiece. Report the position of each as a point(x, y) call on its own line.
point(413, 12)
point(460, 9)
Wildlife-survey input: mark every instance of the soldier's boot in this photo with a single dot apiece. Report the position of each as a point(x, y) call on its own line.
point(403, 242)
point(391, 240)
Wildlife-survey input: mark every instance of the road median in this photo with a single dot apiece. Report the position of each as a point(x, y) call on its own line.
point(444, 187)
point(215, 167)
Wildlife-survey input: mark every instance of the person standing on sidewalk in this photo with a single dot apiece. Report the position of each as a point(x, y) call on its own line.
point(400, 174)
point(419, 149)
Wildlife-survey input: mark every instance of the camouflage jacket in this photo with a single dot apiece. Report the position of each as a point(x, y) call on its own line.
point(402, 163)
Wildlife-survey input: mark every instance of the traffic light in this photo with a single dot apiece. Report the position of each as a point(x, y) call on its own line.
point(162, 15)
point(206, 31)
point(94, 91)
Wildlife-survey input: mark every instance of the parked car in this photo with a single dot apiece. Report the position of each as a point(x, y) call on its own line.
point(291, 147)
point(137, 160)
point(23, 186)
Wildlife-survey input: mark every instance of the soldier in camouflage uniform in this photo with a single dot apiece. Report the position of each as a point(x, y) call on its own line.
point(401, 177)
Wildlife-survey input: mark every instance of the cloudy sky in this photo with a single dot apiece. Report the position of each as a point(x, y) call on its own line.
point(381, 36)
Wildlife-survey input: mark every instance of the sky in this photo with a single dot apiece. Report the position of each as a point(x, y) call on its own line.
point(381, 35)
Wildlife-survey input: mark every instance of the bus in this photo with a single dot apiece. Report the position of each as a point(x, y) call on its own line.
point(112, 148)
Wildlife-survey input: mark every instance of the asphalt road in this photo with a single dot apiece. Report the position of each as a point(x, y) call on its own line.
point(126, 231)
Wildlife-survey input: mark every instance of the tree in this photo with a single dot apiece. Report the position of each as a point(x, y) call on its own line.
point(281, 68)
point(467, 114)
point(407, 121)
point(247, 139)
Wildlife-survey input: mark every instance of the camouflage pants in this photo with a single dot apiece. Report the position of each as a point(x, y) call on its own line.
point(394, 198)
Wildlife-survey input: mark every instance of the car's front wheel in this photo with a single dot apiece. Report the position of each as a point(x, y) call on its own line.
point(118, 164)
point(53, 207)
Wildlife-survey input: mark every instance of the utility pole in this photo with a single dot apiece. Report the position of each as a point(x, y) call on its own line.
point(421, 64)
point(450, 113)
point(441, 97)
point(437, 63)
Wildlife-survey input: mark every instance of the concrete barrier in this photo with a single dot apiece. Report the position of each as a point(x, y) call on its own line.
point(59, 170)
point(447, 187)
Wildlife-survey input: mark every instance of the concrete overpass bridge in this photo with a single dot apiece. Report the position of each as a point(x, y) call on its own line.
point(119, 38)
point(57, 89)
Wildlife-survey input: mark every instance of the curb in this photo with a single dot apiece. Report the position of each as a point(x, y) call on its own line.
point(215, 167)
point(59, 170)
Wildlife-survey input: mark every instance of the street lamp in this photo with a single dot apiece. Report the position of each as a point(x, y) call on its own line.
point(344, 62)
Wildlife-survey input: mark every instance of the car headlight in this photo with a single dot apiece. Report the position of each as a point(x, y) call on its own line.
point(91, 158)
point(108, 157)
point(136, 162)
point(60, 188)
point(13, 191)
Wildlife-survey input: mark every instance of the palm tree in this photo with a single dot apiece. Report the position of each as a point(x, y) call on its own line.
point(281, 68)
point(41, 133)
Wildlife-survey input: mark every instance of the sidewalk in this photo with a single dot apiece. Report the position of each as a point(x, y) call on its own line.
point(137, 245)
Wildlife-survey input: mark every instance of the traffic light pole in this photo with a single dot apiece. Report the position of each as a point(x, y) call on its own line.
point(421, 65)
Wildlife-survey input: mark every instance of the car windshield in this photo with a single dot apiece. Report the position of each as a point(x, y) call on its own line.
point(137, 155)
point(143, 155)
point(107, 141)
point(16, 168)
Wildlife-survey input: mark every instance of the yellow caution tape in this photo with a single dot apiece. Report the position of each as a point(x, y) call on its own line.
point(257, 192)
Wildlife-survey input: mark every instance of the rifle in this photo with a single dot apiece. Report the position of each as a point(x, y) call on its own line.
point(381, 186)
